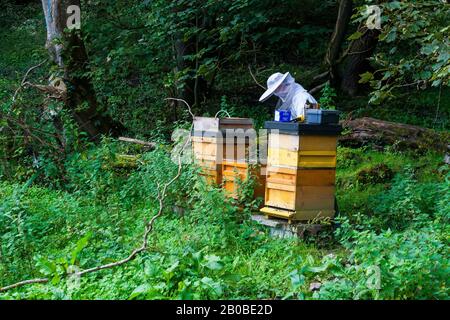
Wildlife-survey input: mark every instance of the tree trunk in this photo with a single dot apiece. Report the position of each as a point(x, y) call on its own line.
point(338, 38)
point(344, 69)
point(381, 133)
point(356, 62)
point(67, 50)
point(181, 49)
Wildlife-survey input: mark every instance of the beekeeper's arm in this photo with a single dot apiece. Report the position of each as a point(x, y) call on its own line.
point(299, 103)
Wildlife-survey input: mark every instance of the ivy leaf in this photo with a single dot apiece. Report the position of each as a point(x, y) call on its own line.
point(436, 83)
point(46, 267)
point(444, 56)
point(211, 284)
point(393, 5)
point(355, 36)
point(366, 77)
point(390, 36)
point(317, 269)
point(428, 49)
point(297, 279)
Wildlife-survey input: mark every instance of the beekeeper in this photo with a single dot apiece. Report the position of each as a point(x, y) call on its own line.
point(293, 97)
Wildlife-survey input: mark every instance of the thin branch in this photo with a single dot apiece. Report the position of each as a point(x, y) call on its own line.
point(141, 142)
point(254, 79)
point(23, 283)
point(321, 76)
point(360, 52)
point(417, 83)
point(318, 88)
point(187, 104)
point(22, 83)
point(438, 105)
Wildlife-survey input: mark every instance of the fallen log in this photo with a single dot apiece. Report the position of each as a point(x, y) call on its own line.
point(379, 133)
point(136, 141)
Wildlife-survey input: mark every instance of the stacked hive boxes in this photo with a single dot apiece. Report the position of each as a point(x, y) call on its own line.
point(301, 169)
point(221, 149)
point(240, 159)
point(207, 149)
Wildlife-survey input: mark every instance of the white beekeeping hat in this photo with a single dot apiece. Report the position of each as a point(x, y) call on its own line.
point(273, 83)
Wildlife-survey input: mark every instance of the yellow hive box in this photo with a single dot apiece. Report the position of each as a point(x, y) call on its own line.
point(301, 171)
point(235, 172)
point(208, 139)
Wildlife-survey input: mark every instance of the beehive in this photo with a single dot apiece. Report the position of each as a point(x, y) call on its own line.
point(240, 160)
point(209, 147)
point(235, 172)
point(301, 170)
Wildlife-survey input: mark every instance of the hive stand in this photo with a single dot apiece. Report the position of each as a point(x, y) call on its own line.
point(281, 228)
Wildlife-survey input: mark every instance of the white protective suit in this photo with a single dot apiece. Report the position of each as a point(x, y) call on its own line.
point(293, 96)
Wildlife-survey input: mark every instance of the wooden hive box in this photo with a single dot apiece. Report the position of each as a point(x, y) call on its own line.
point(208, 144)
point(301, 170)
point(234, 173)
point(240, 159)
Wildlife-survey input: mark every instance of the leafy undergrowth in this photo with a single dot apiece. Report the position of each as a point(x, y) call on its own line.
point(392, 242)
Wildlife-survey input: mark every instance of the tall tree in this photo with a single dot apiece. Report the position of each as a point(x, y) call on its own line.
point(346, 66)
point(338, 38)
point(67, 50)
point(356, 60)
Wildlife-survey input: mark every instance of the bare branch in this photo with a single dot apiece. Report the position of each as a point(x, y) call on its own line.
point(23, 283)
point(318, 88)
point(321, 76)
point(23, 82)
point(187, 104)
point(141, 142)
point(254, 79)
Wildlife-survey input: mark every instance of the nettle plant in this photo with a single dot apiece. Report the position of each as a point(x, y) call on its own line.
point(327, 101)
point(190, 275)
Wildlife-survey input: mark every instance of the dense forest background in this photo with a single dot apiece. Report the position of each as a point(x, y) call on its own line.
point(73, 196)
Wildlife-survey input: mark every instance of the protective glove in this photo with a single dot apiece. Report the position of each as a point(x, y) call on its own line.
point(298, 119)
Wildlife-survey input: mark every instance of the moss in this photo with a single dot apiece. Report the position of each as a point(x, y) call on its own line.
point(379, 173)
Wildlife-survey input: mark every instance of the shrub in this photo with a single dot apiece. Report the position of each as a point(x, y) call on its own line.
point(408, 265)
point(407, 202)
point(379, 173)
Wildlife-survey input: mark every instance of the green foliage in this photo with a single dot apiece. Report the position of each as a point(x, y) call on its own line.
point(407, 265)
point(145, 52)
point(385, 263)
point(327, 100)
point(388, 264)
point(414, 51)
point(405, 203)
point(193, 275)
point(210, 249)
point(379, 173)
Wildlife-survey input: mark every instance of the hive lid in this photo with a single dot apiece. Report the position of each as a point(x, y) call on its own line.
point(206, 124)
point(238, 122)
point(216, 124)
point(294, 128)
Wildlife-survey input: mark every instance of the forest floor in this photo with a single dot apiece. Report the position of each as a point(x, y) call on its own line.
point(207, 252)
